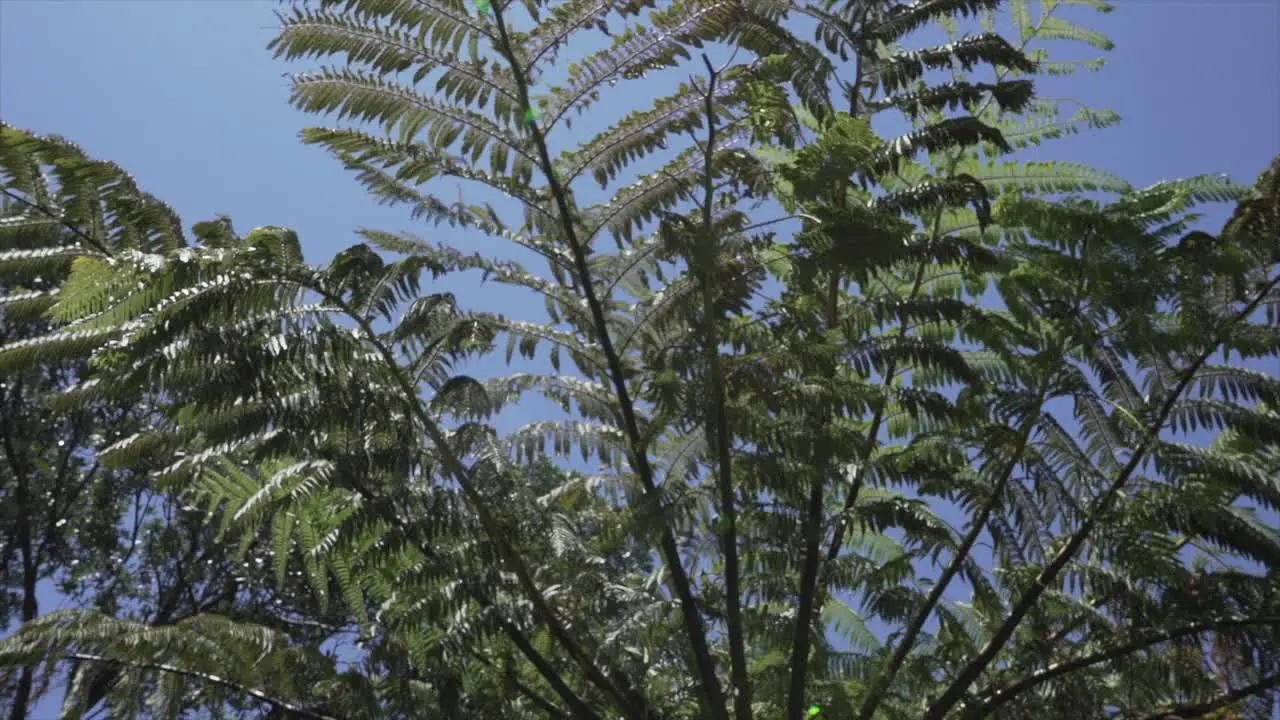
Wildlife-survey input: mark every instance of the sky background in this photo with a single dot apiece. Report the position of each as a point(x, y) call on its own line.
point(184, 95)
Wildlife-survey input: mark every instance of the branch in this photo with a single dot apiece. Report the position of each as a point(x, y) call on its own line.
point(905, 646)
point(1006, 694)
point(455, 468)
point(93, 242)
point(704, 662)
point(720, 421)
point(979, 664)
point(1225, 700)
point(810, 584)
point(1101, 602)
point(544, 704)
point(23, 472)
point(873, 432)
point(872, 438)
point(544, 667)
point(209, 678)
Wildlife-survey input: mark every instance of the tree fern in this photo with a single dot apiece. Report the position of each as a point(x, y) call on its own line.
point(107, 533)
point(766, 414)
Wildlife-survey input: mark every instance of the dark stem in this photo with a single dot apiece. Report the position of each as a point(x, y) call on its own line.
point(1006, 694)
point(577, 706)
point(26, 550)
point(810, 591)
point(273, 702)
point(453, 465)
point(626, 699)
point(536, 698)
point(885, 679)
point(974, 669)
point(722, 438)
point(92, 241)
point(704, 663)
point(917, 623)
point(1222, 701)
point(873, 433)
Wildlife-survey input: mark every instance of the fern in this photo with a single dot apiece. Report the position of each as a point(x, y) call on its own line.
point(775, 419)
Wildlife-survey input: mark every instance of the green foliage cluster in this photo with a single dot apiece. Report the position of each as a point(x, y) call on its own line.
point(780, 421)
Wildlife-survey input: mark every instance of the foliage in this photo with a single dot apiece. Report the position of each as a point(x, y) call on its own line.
point(105, 534)
point(781, 426)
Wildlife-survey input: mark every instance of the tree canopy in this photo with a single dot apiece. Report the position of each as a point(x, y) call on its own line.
point(746, 508)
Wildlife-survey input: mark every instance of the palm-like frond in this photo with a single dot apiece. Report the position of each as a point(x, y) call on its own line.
point(770, 435)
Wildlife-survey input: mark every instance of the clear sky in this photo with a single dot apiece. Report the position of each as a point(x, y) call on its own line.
point(184, 95)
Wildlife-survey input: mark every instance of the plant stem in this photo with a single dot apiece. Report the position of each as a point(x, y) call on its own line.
point(704, 663)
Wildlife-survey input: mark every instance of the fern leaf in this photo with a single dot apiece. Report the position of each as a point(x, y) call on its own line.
point(639, 134)
point(308, 33)
point(1055, 28)
point(637, 50)
point(369, 98)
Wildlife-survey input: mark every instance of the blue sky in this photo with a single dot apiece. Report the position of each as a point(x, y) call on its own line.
point(184, 95)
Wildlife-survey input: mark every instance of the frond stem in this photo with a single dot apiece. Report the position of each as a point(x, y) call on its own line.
point(999, 697)
point(704, 662)
point(979, 664)
point(455, 468)
point(209, 678)
point(720, 420)
point(810, 570)
point(914, 628)
point(93, 242)
point(935, 593)
point(1222, 701)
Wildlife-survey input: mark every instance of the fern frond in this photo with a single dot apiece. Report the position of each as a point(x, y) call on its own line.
point(1010, 95)
point(98, 199)
point(897, 72)
point(414, 164)
point(367, 97)
point(902, 19)
point(1043, 178)
point(638, 134)
point(1056, 28)
point(949, 133)
point(640, 49)
point(205, 648)
point(306, 33)
point(443, 23)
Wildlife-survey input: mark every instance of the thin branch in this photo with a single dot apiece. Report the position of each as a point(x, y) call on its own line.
point(873, 431)
point(544, 704)
point(1100, 602)
point(66, 224)
point(775, 221)
point(1222, 701)
point(578, 707)
point(872, 438)
point(838, 539)
point(974, 669)
point(209, 678)
point(454, 466)
point(810, 571)
point(913, 629)
point(720, 421)
point(979, 523)
point(23, 473)
point(544, 667)
point(704, 662)
point(560, 37)
point(1006, 694)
